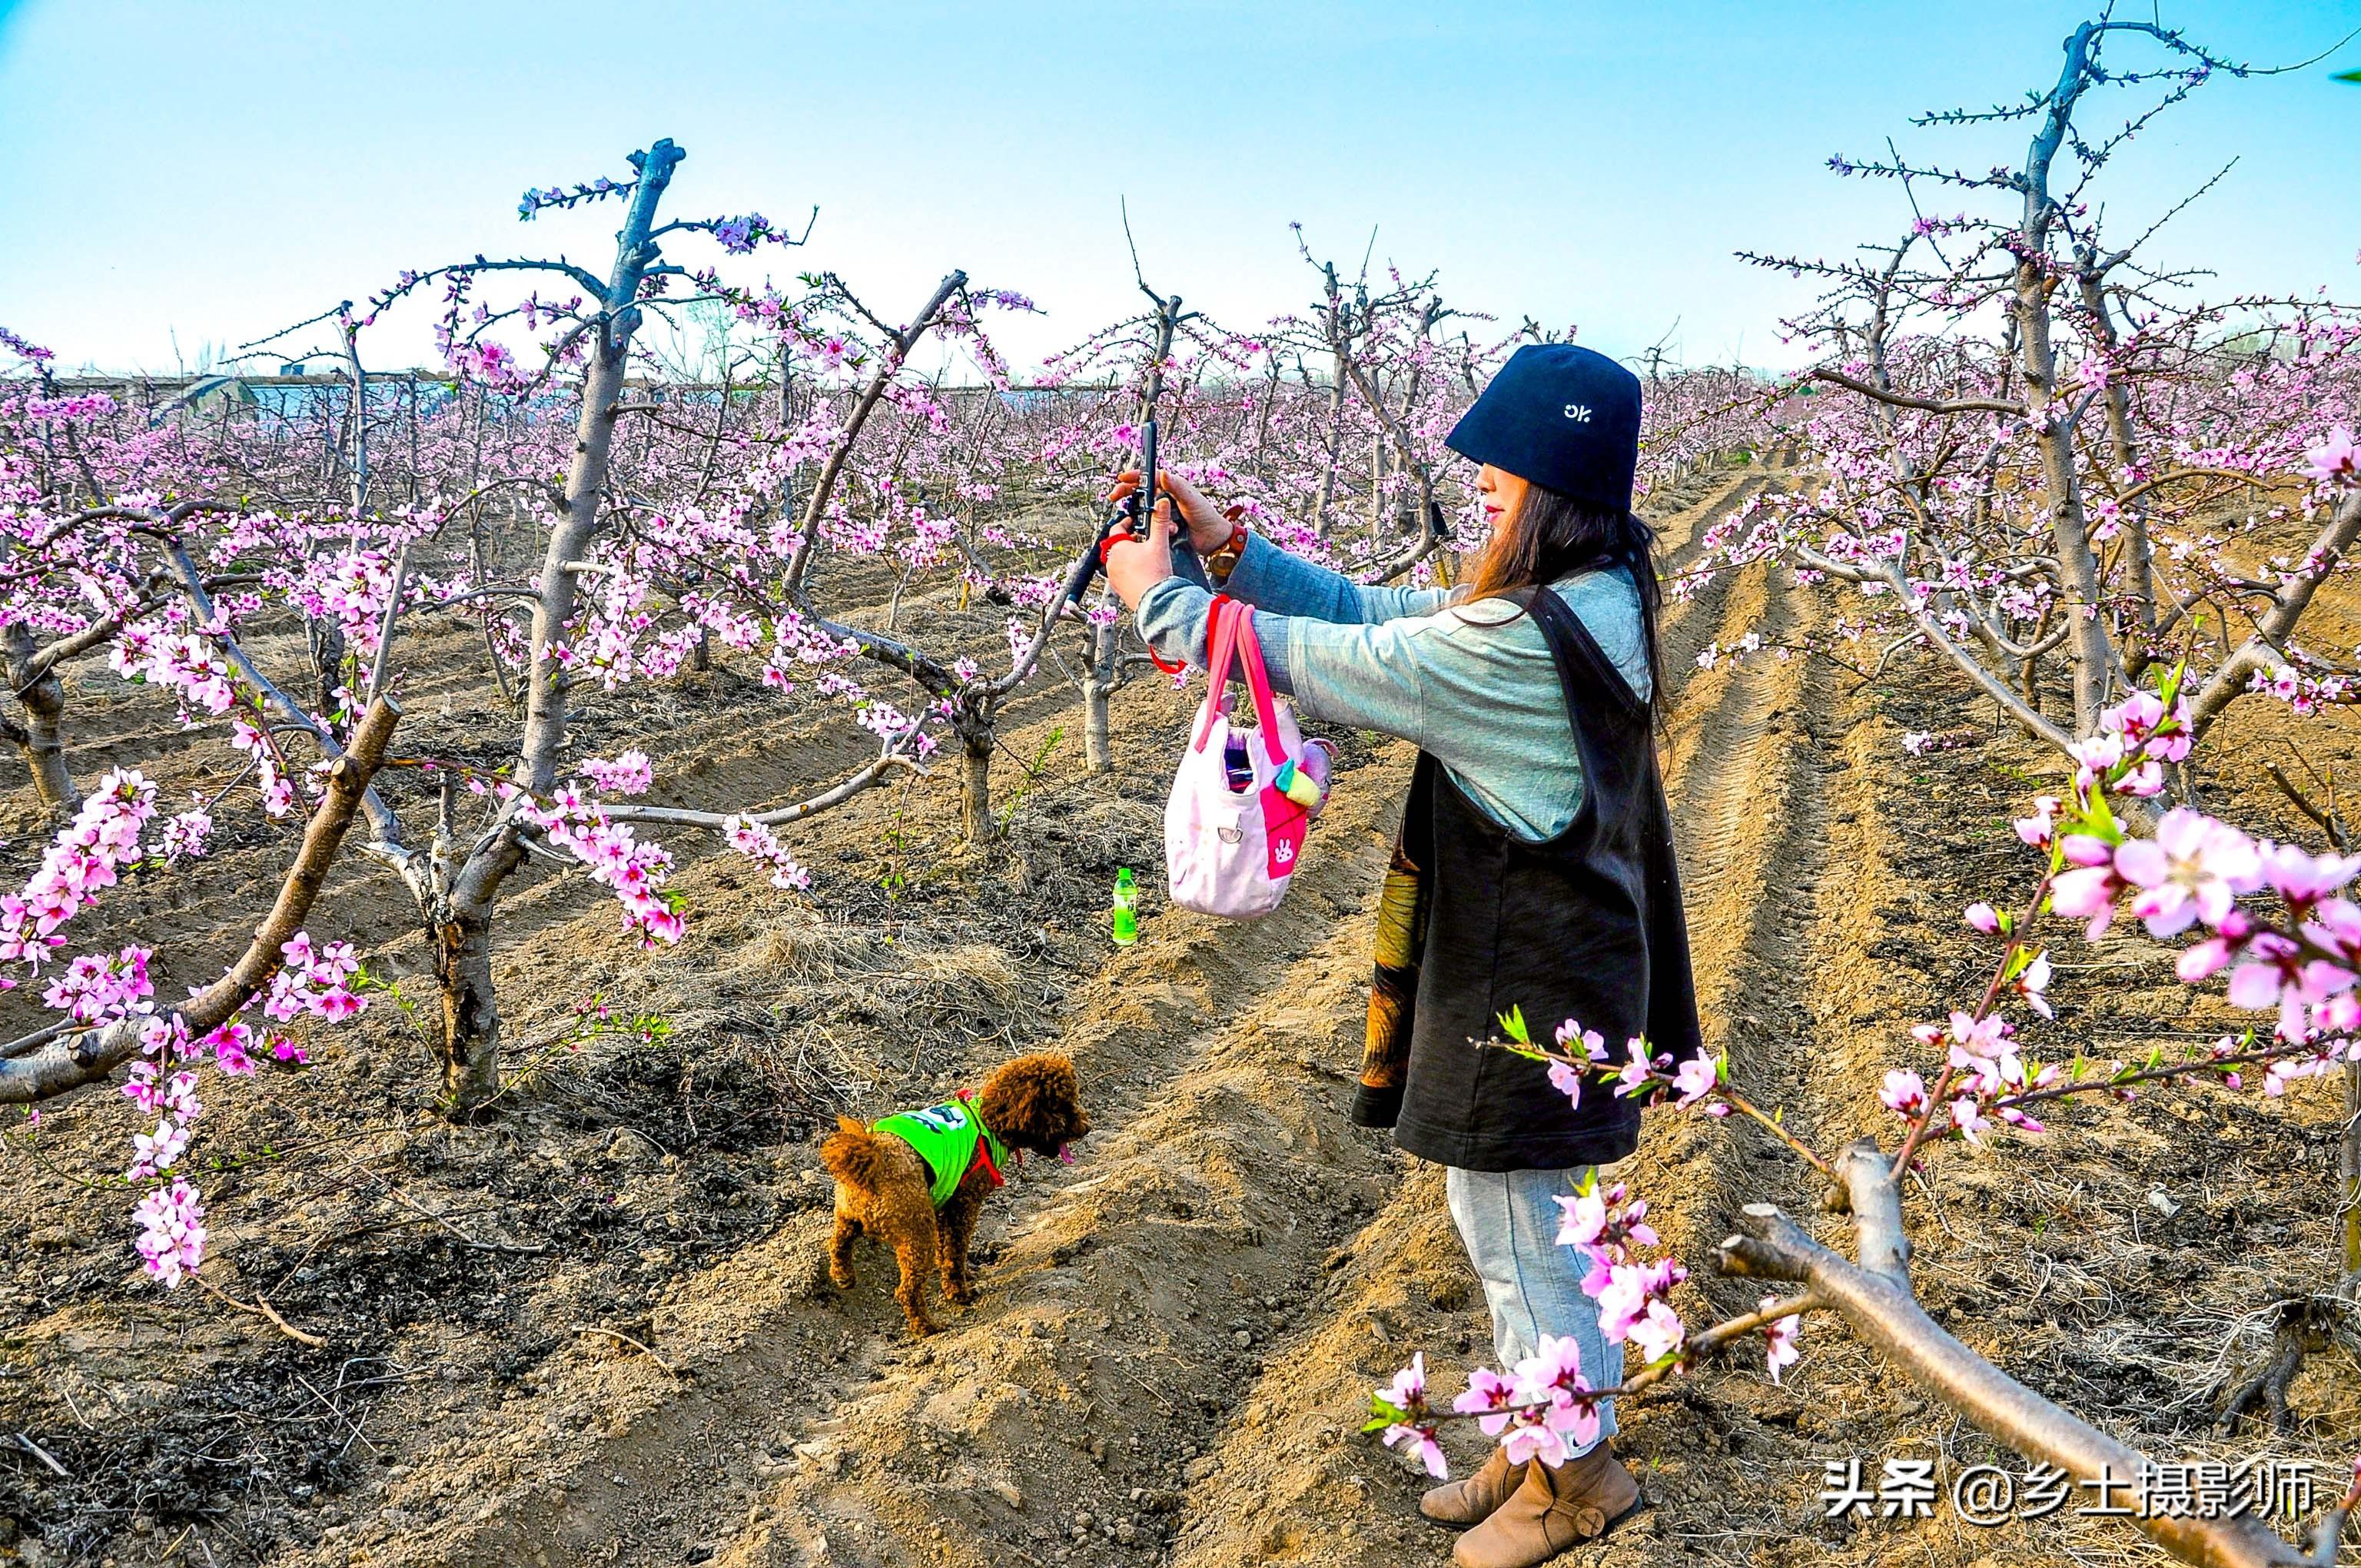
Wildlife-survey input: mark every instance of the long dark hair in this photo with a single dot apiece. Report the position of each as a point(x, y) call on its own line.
point(1551, 536)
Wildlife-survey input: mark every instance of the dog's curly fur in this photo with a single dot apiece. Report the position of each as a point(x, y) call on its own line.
point(883, 1187)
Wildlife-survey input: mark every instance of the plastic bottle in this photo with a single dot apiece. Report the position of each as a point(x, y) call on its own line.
point(1127, 908)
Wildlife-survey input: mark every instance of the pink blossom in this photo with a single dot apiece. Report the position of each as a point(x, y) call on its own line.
point(759, 844)
point(2087, 892)
point(2209, 956)
point(1554, 1368)
point(1782, 1335)
point(2086, 850)
point(1968, 1119)
point(153, 1153)
point(1629, 1287)
point(1694, 1080)
point(1566, 1079)
point(1422, 1445)
point(2275, 974)
point(2032, 985)
point(81, 862)
point(1489, 1392)
point(95, 987)
point(1408, 1390)
point(1904, 1092)
point(2337, 460)
point(629, 773)
point(1986, 1036)
point(1637, 1071)
point(1583, 1219)
point(2304, 879)
point(171, 1240)
point(1658, 1332)
point(185, 835)
point(1571, 1033)
point(142, 1089)
point(231, 1043)
point(1599, 1221)
point(2194, 868)
point(2039, 829)
point(1531, 1437)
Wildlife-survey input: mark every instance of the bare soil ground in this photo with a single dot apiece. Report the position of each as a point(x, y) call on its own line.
point(594, 1329)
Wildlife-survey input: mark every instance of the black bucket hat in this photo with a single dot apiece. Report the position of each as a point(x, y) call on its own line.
point(1562, 417)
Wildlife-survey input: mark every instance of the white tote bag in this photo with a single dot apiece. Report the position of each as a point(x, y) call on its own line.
point(1229, 849)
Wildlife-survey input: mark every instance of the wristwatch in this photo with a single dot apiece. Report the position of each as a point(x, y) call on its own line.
point(1223, 559)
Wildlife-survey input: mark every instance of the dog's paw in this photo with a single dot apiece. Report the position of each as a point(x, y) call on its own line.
point(961, 1295)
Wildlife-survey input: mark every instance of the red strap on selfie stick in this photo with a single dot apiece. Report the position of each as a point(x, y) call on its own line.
point(1127, 537)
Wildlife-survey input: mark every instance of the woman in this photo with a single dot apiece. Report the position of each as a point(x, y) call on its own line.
point(1534, 868)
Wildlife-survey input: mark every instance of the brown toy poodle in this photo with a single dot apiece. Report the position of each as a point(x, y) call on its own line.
point(917, 1180)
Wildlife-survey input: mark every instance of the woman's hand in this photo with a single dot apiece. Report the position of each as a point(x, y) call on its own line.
point(1134, 565)
point(1137, 564)
point(1209, 527)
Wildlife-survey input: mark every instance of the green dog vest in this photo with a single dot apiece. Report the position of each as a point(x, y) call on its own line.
point(953, 1139)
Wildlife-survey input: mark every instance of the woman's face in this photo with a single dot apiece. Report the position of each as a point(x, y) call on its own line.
point(1501, 492)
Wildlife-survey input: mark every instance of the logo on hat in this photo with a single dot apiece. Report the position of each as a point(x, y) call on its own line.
point(1579, 411)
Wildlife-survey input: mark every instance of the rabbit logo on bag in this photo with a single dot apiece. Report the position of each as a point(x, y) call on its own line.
point(1579, 412)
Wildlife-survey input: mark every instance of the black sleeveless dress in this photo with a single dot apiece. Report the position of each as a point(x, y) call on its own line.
point(1585, 925)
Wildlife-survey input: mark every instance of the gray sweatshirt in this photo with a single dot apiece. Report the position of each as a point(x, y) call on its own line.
point(1476, 688)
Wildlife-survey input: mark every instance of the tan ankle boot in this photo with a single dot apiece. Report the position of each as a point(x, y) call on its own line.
point(1463, 1503)
point(1550, 1512)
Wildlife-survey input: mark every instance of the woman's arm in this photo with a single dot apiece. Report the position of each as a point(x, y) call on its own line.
point(1269, 579)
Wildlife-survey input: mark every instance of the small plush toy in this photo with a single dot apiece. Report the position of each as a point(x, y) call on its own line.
point(1304, 779)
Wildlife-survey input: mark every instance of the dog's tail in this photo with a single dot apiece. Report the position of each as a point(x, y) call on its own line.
point(854, 1154)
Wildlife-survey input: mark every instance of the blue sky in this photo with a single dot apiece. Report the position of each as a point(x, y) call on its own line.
point(206, 171)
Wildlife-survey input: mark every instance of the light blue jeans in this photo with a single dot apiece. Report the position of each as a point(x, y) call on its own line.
point(1533, 1286)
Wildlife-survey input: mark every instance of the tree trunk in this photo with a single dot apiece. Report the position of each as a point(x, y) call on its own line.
point(1098, 686)
point(459, 919)
point(326, 643)
point(1336, 451)
point(471, 1047)
point(44, 745)
point(975, 783)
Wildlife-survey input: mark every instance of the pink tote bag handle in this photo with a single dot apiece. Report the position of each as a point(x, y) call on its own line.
point(1220, 636)
point(1258, 683)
